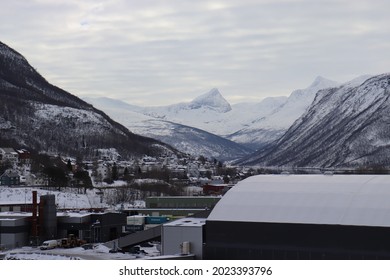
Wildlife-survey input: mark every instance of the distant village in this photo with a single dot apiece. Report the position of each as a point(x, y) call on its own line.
point(168, 175)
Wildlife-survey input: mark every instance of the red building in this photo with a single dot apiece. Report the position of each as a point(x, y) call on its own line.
point(215, 189)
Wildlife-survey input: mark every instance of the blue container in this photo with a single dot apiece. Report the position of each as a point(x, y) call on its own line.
point(156, 220)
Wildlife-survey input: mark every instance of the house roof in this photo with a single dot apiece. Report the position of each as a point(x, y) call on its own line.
point(362, 200)
point(8, 150)
point(9, 173)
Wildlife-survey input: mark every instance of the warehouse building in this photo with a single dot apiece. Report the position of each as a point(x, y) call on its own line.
point(14, 230)
point(46, 223)
point(183, 237)
point(91, 227)
point(302, 217)
point(184, 202)
point(175, 206)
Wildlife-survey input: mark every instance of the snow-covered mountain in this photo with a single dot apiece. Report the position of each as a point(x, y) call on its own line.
point(187, 139)
point(266, 129)
point(252, 125)
point(42, 117)
point(211, 112)
point(345, 126)
point(257, 126)
point(213, 100)
point(324, 125)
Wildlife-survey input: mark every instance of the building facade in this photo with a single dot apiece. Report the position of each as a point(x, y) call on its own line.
point(302, 217)
point(10, 178)
point(8, 155)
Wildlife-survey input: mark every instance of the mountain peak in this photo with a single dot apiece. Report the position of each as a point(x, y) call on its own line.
point(213, 100)
point(321, 82)
point(307, 95)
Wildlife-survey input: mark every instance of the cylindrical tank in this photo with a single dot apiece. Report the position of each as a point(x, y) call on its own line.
point(48, 217)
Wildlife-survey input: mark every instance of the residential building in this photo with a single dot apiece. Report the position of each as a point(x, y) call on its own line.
point(10, 178)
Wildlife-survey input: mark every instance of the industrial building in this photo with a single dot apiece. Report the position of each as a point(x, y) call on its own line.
point(45, 223)
point(184, 202)
point(302, 217)
point(175, 206)
point(183, 237)
point(14, 230)
point(262, 217)
point(91, 227)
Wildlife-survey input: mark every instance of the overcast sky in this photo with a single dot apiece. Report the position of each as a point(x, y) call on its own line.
point(149, 52)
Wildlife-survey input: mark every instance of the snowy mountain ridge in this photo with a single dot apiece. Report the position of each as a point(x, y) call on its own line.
point(249, 124)
point(269, 128)
point(345, 126)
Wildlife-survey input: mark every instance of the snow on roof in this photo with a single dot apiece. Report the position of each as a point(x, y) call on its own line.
point(14, 215)
point(72, 214)
point(308, 199)
point(187, 222)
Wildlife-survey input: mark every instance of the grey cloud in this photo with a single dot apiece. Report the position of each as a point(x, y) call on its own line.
point(170, 51)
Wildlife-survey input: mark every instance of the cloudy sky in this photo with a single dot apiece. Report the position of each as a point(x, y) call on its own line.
point(150, 52)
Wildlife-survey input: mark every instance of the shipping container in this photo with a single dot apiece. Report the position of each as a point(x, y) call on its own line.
point(156, 220)
point(135, 220)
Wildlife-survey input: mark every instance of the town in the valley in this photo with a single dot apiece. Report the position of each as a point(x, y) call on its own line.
point(96, 205)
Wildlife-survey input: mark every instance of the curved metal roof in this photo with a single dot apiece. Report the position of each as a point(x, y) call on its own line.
point(362, 200)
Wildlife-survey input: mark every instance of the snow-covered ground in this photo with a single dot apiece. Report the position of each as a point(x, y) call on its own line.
point(64, 200)
point(93, 198)
point(99, 252)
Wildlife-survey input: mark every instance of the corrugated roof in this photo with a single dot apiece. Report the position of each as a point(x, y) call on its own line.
point(308, 199)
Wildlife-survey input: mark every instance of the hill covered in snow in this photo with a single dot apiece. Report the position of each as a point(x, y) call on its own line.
point(39, 116)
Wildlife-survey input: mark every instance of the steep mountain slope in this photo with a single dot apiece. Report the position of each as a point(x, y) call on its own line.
point(271, 127)
point(345, 126)
point(184, 138)
point(40, 116)
point(195, 141)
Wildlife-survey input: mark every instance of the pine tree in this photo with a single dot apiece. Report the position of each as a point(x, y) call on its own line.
point(114, 174)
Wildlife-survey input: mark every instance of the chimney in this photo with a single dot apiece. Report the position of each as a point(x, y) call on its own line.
point(34, 229)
